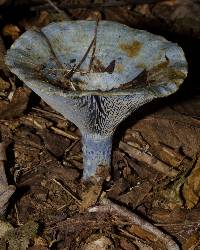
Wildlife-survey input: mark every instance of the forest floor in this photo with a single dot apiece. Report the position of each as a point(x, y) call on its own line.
point(44, 155)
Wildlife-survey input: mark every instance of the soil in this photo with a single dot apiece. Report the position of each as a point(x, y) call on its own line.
point(156, 151)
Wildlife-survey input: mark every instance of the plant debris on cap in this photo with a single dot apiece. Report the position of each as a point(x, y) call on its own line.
point(97, 56)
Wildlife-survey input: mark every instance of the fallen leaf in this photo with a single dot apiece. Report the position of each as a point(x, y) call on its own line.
point(191, 188)
point(136, 195)
point(4, 85)
point(90, 195)
point(189, 107)
point(192, 242)
point(56, 144)
point(17, 105)
point(168, 127)
point(11, 30)
point(118, 188)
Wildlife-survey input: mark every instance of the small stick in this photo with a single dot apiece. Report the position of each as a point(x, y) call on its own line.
point(67, 191)
point(74, 69)
point(10, 96)
point(94, 47)
point(109, 4)
point(49, 113)
point(17, 216)
point(58, 10)
point(71, 146)
point(68, 134)
point(107, 206)
point(137, 241)
point(37, 124)
point(54, 6)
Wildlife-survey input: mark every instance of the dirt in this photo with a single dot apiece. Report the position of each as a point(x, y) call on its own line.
point(156, 151)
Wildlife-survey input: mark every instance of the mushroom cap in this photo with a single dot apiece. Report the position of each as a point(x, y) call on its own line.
point(104, 58)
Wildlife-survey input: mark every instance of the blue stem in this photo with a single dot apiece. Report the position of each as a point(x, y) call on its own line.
point(96, 152)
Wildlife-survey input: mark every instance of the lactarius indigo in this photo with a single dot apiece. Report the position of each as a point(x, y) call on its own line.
point(96, 74)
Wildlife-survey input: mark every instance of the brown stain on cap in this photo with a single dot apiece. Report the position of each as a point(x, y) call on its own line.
point(119, 68)
point(132, 49)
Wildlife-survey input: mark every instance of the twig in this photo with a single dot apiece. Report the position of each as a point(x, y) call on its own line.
point(61, 65)
point(54, 6)
point(94, 47)
point(17, 216)
point(49, 113)
point(71, 146)
point(109, 207)
point(106, 4)
point(73, 70)
point(67, 134)
point(63, 13)
point(147, 158)
point(67, 191)
point(139, 242)
point(182, 225)
point(110, 4)
point(37, 124)
point(11, 94)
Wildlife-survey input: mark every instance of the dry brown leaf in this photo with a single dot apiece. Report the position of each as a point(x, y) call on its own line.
point(189, 107)
point(171, 128)
point(90, 197)
point(136, 195)
point(11, 30)
point(17, 105)
point(118, 188)
point(182, 16)
point(56, 144)
point(4, 85)
point(191, 188)
point(192, 242)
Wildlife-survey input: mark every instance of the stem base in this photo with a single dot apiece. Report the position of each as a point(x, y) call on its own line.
point(96, 152)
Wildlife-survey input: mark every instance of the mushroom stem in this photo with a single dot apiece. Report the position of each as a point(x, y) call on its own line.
point(96, 152)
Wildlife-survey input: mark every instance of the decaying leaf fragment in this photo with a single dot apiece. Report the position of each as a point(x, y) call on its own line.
point(191, 188)
point(19, 238)
point(4, 85)
point(16, 106)
point(11, 30)
point(99, 243)
point(192, 242)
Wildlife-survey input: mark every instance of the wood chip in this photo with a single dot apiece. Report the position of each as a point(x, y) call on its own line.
point(152, 161)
